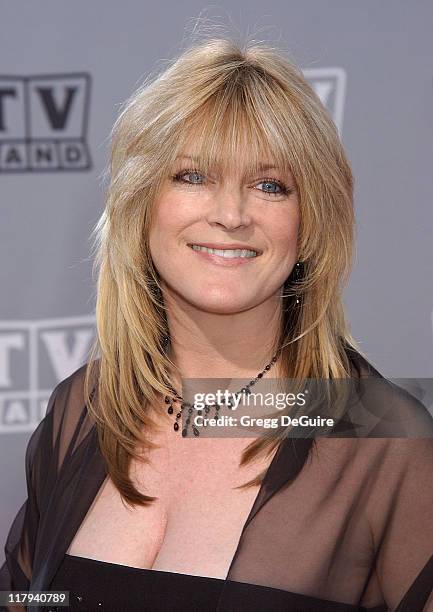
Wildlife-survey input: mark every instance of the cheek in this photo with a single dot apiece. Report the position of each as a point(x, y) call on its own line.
point(170, 220)
point(283, 232)
point(173, 213)
point(165, 224)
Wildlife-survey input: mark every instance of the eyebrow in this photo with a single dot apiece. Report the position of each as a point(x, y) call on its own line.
point(261, 167)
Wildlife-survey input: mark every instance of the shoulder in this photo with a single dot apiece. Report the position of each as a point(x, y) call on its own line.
point(392, 435)
point(360, 364)
point(66, 421)
point(72, 387)
point(68, 398)
point(388, 407)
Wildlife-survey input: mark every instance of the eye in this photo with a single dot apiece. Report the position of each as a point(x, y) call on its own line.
point(179, 177)
point(273, 187)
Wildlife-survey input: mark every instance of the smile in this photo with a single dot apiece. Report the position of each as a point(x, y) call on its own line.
point(226, 253)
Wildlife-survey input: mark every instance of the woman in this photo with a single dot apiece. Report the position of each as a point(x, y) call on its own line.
point(223, 250)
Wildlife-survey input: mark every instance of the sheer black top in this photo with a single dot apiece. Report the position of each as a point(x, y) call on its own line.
point(343, 520)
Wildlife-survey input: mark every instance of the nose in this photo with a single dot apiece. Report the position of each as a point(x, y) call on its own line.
point(229, 208)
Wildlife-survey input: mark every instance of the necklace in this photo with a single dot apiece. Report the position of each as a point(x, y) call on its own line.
point(186, 405)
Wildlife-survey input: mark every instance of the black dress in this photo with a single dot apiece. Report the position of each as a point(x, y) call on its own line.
point(98, 585)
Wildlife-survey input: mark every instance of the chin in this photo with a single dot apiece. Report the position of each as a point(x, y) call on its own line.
point(219, 302)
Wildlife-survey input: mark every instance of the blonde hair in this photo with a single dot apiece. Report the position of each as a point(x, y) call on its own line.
point(232, 99)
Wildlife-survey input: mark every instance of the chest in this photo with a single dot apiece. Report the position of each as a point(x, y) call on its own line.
point(195, 524)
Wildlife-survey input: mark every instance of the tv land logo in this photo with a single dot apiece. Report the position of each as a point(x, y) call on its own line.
point(44, 118)
point(330, 86)
point(43, 123)
point(34, 357)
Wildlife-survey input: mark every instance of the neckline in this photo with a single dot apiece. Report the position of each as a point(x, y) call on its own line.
point(300, 597)
point(81, 559)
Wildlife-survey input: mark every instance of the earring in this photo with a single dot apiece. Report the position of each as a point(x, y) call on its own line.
point(295, 276)
point(299, 273)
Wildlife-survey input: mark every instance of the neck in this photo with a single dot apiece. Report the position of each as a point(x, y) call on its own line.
point(215, 345)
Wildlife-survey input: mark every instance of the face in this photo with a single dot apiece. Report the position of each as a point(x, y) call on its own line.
point(252, 220)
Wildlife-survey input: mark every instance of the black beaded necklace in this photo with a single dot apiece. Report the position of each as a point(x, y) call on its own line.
point(179, 398)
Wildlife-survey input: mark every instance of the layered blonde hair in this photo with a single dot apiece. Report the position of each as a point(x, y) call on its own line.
point(232, 100)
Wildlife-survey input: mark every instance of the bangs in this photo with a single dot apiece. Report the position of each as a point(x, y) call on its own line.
point(237, 127)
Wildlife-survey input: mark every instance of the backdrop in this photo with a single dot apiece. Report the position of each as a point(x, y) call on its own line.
point(65, 67)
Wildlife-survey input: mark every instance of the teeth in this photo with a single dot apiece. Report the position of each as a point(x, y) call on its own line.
point(228, 253)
